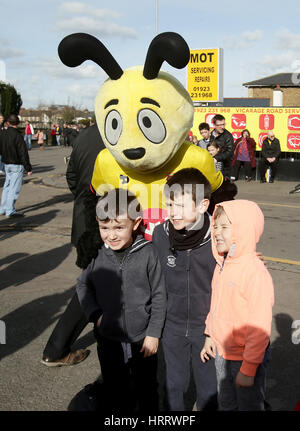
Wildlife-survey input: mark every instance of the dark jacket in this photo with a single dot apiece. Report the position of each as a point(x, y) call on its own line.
point(270, 148)
point(226, 142)
point(72, 135)
point(251, 145)
point(79, 175)
point(13, 148)
point(188, 275)
point(130, 296)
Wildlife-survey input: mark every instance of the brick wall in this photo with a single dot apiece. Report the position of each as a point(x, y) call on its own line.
point(291, 95)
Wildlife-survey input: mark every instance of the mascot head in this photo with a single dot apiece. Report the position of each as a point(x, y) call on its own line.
point(143, 115)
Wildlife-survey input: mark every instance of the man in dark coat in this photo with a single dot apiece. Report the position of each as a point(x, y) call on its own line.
point(225, 140)
point(270, 153)
point(72, 134)
point(79, 174)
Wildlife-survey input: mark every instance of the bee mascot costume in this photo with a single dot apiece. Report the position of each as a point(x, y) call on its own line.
point(144, 116)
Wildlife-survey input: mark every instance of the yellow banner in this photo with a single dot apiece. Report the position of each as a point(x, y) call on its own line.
point(284, 122)
point(204, 74)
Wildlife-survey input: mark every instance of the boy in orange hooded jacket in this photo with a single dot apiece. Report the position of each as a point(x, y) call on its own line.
point(238, 325)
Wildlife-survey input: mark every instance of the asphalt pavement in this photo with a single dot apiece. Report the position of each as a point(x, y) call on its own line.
point(38, 276)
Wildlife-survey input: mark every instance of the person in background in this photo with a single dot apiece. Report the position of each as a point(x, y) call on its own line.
point(195, 140)
point(2, 172)
point(72, 134)
point(204, 130)
point(65, 132)
point(244, 153)
point(53, 135)
point(190, 136)
point(58, 134)
point(225, 141)
point(28, 134)
point(214, 148)
point(1, 122)
point(15, 158)
point(270, 153)
point(40, 139)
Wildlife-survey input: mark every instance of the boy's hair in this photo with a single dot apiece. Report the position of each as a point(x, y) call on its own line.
point(13, 119)
point(203, 126)
point(219, 211)
point(188, 177)
point(214, 144)
point(118, 202)
point(218, 117)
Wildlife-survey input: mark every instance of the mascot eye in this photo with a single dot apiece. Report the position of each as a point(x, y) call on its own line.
point(113, 127)
point(151, 125)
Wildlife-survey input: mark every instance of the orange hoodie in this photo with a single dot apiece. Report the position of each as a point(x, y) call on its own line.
point(240, 314)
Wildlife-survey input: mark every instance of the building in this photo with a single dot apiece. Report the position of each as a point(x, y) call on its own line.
point(238, 101)
point(44, 116)
point(270, 87)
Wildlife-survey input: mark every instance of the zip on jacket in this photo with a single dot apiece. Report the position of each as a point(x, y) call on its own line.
point(130, 295)
point(188, 275)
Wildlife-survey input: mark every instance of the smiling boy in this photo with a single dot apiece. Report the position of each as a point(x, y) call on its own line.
point(122, 292)
point(183, 243)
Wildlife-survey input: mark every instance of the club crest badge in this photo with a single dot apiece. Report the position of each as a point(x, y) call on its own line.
point(171, 261)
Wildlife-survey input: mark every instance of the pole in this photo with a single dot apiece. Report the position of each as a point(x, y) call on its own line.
point(156, 17)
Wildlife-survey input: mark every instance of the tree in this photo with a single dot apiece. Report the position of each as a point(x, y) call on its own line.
point(84, 122)
point(68, 114)
point(10, 100)
point(93, 119)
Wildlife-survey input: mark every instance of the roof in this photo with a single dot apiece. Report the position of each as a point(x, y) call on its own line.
point(282, 79)
point(242, 102)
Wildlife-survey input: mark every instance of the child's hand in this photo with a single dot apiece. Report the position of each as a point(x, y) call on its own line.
point(260, 256)
point(208, 350)
point(243, 381)
point(150, 346)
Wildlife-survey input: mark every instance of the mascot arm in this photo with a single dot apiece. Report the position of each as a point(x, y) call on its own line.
point(97, 178)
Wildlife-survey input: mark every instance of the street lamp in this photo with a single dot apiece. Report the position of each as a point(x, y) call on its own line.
point(156, 16)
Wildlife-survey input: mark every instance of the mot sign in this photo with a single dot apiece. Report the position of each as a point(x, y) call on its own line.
point(205, 75)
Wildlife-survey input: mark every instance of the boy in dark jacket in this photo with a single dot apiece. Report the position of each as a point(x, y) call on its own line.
point(122, 292)
point(184, 246)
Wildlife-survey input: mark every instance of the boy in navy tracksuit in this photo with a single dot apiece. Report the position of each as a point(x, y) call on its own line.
point(184, 246)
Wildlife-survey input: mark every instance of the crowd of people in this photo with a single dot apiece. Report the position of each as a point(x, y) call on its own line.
point(61, 135)
point(14, 157)
point(229, 156)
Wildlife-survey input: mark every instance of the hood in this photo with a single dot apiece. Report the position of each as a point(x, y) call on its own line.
point(248, 225)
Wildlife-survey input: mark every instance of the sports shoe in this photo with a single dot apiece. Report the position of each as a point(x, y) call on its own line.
point(13, 215)
point(72, 358)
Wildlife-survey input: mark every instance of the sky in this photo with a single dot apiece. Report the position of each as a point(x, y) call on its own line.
point(259, 38)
